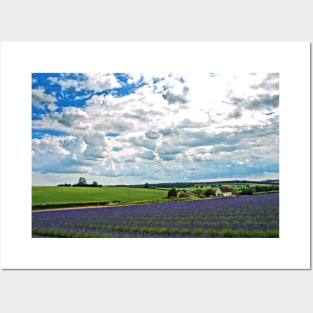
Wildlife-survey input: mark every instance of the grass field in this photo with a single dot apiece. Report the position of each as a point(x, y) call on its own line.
point(61, 196)
point(80, 195)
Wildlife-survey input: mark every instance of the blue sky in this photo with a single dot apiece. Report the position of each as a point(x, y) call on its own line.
point(130, 128)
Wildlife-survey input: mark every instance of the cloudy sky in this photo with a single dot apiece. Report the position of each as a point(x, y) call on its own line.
point(122, 128)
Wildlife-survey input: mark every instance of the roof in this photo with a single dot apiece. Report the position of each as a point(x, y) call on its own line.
point(224, 189)
point(186, 193)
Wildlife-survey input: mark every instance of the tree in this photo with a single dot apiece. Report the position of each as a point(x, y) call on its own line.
point(82, 181)
point(172, 193)
point(209, 192)
point(247, 191)
point(198, 192)
point(95, 184)
point(146, 185)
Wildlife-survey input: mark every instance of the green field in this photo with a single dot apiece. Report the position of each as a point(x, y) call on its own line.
point(52, 196)
point(69, 196)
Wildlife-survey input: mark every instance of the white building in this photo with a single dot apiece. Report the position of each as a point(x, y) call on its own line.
point(223, 192)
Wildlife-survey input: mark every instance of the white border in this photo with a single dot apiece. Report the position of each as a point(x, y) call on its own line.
point(20, 251)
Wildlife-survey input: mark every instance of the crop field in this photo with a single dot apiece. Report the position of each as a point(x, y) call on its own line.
point(56, 196)
point(239, 217)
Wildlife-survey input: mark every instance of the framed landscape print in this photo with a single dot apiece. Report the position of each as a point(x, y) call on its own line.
point(122, 155)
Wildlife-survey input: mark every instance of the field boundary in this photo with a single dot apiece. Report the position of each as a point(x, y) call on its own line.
point(111, 205)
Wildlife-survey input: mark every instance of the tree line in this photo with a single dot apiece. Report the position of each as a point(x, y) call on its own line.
point(82, 182)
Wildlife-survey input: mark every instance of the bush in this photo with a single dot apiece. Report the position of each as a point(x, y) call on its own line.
point(172, 193)
point(208, 193)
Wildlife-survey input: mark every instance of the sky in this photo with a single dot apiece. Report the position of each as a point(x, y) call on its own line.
point(133, 128)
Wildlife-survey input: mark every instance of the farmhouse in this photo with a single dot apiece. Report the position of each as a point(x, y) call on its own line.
point(185, 194)
point(223, 192)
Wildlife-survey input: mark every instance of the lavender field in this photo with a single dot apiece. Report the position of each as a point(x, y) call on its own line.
point(238, 217)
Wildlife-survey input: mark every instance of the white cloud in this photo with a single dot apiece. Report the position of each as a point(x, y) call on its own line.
point(49, 145)
point(66, 83)
point(100, 82)
point(95, 82)
point(52, 106)
point(134, 78)
point(152, 134)
point(40, 98)
point(199, 128)
point(72, 117)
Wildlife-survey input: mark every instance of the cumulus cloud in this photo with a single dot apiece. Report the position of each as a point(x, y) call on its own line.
point(134, 78)
point(66, 83)
point(52, 154)
point(237, 113)
point(142, 141)
point(270, 83)
point(187, 123)
point(147, 155)
point(168, 150)
point(177, 98)
point(152, 134)
point(71, 117)
point(203, 157)
point(167, 128)
point(90, 81)
point(40, 98)
point(168, 131)
point(263, 101)
point(262, 96)
point(100, 82)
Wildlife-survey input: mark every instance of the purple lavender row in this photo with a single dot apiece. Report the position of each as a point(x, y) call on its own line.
point(251, 213)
